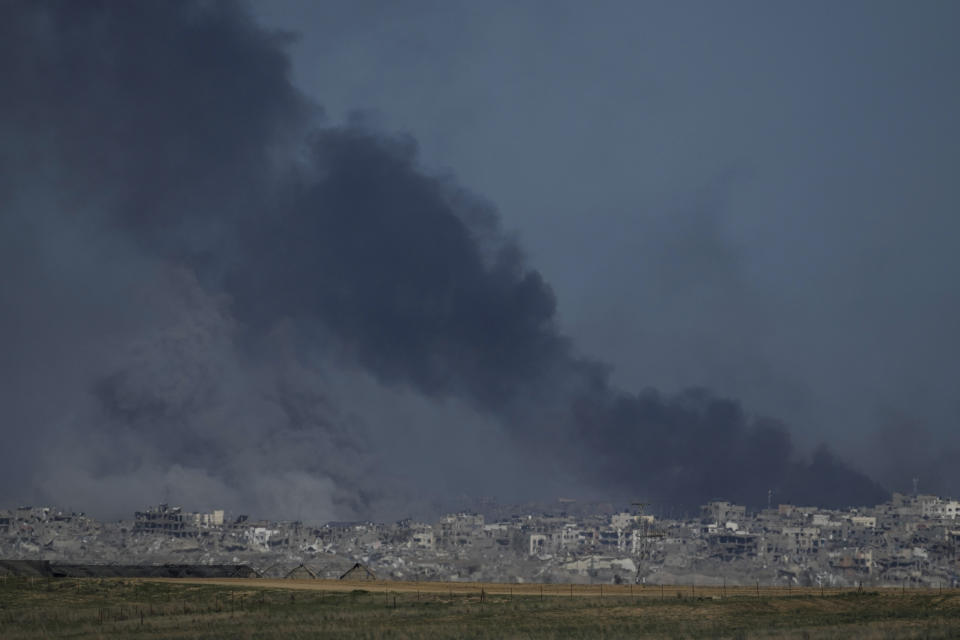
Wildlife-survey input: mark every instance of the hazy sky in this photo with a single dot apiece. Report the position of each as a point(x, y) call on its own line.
point(757, 197)
point(357, 259)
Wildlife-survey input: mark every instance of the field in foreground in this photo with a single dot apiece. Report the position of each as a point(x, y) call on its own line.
point(93, 608)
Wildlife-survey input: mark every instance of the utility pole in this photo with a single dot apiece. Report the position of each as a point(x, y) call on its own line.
point(645, 534)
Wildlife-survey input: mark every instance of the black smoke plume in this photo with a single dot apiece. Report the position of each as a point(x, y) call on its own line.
point(196, 263)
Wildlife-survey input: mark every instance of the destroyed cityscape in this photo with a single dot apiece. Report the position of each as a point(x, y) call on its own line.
point(910, 541)
point(674, 281)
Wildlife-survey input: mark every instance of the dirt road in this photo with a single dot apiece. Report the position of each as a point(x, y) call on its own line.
point(529, 590)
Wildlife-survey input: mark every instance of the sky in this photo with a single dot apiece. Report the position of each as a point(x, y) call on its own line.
point(357, 259)
point(759, 198)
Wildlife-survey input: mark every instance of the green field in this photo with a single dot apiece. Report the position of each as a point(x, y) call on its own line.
point(93, 608)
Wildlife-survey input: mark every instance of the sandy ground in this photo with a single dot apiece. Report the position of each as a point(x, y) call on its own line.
point(537, 590)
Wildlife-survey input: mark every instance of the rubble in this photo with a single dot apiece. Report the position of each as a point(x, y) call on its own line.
point(911, 540)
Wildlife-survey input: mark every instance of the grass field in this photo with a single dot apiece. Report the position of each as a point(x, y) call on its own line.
point(92, 608)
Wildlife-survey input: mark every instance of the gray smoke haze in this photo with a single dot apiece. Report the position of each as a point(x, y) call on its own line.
point(213, 296)
point(755, 198)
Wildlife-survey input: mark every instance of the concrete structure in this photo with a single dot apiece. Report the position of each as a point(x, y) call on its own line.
point(423, 539)
point(721, 512)
point(910, 539)
point(163, 519)
point(212, 519)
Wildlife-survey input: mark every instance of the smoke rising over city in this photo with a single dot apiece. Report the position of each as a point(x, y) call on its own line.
point(216, 294)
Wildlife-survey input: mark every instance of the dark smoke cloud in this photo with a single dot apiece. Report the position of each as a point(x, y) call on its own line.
point(907, 450)
point(385, 258)
point(213, 293)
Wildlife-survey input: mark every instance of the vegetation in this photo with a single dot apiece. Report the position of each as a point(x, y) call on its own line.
point(94, 608)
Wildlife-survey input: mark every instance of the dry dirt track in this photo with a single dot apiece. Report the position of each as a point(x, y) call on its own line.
point(554, 590)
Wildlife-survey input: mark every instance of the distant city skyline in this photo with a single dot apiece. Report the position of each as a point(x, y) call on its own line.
point(908, 540)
